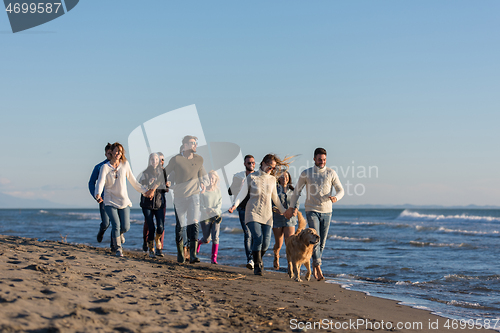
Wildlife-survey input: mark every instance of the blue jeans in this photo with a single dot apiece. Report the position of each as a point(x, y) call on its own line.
point(187, 215)
point(104, 217)
point(321, 223)
point(247, 240)
point(182, 232)
point(120, 220)
point(261, 235)
point(159, 215)
point(211, 230)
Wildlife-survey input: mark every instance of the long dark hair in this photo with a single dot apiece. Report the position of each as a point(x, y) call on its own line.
point(150, 169)
point(290, 186)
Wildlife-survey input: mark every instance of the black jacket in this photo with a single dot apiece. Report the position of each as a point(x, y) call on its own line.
point(151, 178)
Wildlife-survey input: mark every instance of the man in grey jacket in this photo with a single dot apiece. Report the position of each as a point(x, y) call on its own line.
point(319, 181)
point(189, 176)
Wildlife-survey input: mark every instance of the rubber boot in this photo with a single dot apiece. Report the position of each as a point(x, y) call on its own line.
point(215, 249)
point(198, 247)
point(257, 266)
point(262, 253)
point(151, 246)
point(193, 245)
point(180, 252)
point(159, 245)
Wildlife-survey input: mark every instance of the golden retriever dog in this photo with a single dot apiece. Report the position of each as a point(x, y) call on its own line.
point(299, 249)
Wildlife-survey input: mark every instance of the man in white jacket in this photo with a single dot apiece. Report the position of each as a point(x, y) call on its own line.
point(233, 190)
point(319, 181)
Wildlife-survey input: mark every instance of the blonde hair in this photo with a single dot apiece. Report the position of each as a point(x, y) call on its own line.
point(216, 175)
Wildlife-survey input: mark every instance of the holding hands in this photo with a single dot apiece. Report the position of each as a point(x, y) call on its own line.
point(290, 212)
point(150, 194)
point(98, 198)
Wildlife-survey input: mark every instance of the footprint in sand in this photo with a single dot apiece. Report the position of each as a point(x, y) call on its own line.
point(102, 300)
point(47, 292)
point(14, 262)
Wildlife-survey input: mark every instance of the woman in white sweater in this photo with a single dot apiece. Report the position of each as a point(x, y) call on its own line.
point(258, 213)
point(113, 180)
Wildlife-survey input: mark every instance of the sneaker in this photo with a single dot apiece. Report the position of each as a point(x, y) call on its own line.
point(119, 253)
point(250, 264)
point(158, 253)
point(122, 237)
point(152, 254)
point(100, 235)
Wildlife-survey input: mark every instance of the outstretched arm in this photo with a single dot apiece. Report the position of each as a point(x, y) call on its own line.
point(294, 201)
point(100, 184)
point(241, 195)
point(135, 184)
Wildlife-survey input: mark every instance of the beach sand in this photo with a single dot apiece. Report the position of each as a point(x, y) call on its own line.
point(58, 287)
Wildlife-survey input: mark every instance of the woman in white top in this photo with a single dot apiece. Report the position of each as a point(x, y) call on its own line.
point(258, 213)
point(113, 180)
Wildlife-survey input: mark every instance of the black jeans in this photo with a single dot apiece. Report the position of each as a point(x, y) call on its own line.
point(159, 215)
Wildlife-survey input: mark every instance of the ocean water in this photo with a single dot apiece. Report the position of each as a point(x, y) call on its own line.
point(442, 260)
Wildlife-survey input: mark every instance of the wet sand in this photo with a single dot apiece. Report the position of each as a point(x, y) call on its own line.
point(59, 287)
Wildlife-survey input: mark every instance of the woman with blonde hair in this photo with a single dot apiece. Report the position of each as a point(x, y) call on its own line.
point(211, 203)
point(261, 185)
point(113, 180)
point(281, 225)
point(153, 178)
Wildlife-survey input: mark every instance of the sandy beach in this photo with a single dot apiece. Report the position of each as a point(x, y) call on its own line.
point(59, 287)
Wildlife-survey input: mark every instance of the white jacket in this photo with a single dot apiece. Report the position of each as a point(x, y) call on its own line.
point(114, 183)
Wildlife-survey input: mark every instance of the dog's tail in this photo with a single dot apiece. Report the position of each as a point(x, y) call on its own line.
point(302, 223)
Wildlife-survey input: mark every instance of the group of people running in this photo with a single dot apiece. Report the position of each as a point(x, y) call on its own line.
point(265, 200)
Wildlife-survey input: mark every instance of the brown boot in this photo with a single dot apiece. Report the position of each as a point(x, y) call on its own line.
point(151, 246)
point(159, 245)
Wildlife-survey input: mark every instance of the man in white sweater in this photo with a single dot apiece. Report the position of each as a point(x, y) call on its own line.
point(319, 181)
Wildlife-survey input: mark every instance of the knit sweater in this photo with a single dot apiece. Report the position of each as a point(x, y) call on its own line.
point(319, 184)
point(114, 183)
point(211, 203)
point(262, 189)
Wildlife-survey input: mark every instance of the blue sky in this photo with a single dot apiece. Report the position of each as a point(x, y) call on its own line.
point(408, 87)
